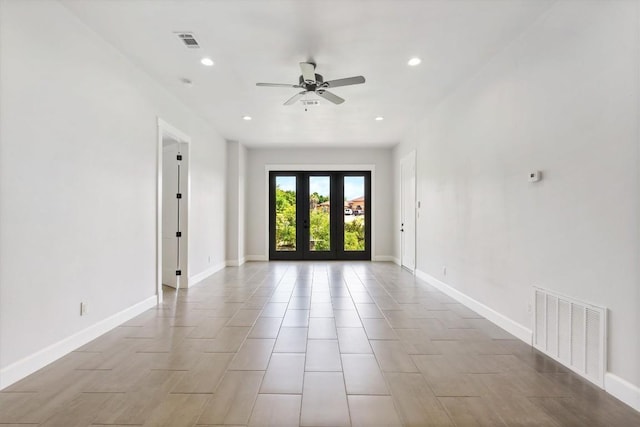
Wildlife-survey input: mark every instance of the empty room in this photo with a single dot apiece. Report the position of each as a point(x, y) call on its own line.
point(320, 213)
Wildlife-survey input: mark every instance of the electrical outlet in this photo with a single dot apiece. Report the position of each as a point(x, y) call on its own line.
point(529, 309)
point(444, 270)
point(209, 259)
point(84, 309)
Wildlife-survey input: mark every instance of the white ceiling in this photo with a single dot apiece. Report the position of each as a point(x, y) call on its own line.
point(264, 40)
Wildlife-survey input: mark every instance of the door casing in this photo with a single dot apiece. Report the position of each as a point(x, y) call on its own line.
point(336, 251)
point(318, 167)
point(408, 212)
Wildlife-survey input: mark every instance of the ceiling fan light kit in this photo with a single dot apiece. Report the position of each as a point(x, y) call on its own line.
point(314, 83)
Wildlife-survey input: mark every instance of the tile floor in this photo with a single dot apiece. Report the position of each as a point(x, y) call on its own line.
point(312, 344)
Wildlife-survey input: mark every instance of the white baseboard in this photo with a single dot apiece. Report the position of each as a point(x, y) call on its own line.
point(385, 258)
point(197, 278)
point(236, 262)
point(622, 390)
point(257, 258)
point(28, 365)
point(499, 319)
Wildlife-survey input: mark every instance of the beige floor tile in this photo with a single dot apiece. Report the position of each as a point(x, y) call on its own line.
point(274, 309)
point(321, 309)
point(253, 355)
point(205, 375)
point(244, 318)
point(302, 290)
point(171, 365)
point(520, 411)
point(323, 328)
point(178, 410)
point(233, 401)
point(299, 303)
point(342, 303)
point(266, 327)
point(361, 297)
point(398, 319)
point(21, 407)
point(228, 340)
point(280, 297)
point(446, 378)
point(284, 374)
point(369, 311)
point(416, 342)
point(353, 340)
point(362, 375)
point(415, 402)
point(386, 302)
point(347, 319)
point(120, 379)
point(276, 410)
point(256, 302)
point(79, 412)
point(373, 411)
point(137, 405)
point(392, 357)
point(323, 355)
point(471, 411)
point(296, 319)
point(291, 340)
point(208, 328)
point(320, 297)
point(324, 400)
point(339, 289)
point(378, 329)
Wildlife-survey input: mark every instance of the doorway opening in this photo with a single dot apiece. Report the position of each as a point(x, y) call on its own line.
point(320, 215)
point(172, 210)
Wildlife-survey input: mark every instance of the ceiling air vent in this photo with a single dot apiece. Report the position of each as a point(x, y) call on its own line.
point(189, 40)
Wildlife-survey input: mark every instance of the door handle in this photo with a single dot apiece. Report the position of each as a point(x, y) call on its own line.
point(402, 229)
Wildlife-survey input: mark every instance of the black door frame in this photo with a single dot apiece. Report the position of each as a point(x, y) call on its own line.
point(336, 250)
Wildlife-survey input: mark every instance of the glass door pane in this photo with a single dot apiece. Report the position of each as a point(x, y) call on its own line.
point(285, 213)
point(355, 205)
point(319, 213)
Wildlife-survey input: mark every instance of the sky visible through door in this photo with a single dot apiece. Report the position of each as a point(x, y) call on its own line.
point(353, 186)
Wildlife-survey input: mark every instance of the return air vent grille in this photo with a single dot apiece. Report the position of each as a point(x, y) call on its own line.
point(571, 332)
point(189, 40)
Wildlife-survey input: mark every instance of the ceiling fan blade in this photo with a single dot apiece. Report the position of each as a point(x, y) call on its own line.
point(344, 82)
point(295, 98)
point(308, 71)
point(277, 85)
point(330, 96)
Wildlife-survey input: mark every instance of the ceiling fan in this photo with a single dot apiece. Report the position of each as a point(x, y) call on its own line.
point(314, 83)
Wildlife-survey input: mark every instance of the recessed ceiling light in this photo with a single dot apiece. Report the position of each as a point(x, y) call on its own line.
point(247, 118)
point(207, 61)
point(414, 61)
point(379, 118)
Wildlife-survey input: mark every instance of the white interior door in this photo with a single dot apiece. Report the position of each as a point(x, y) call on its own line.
point(171, 206)
point(408, 211)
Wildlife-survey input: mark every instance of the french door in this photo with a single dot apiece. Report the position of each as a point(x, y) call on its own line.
point(320, 215)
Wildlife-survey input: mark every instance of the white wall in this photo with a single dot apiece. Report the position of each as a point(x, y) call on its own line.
point(258, 218)
point(236, 169)
point(78, 147)
point(563, 98)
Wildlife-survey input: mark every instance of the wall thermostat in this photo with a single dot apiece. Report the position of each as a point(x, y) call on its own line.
point(535, 176)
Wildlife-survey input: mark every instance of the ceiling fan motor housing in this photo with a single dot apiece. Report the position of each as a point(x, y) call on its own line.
point(311, 87)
